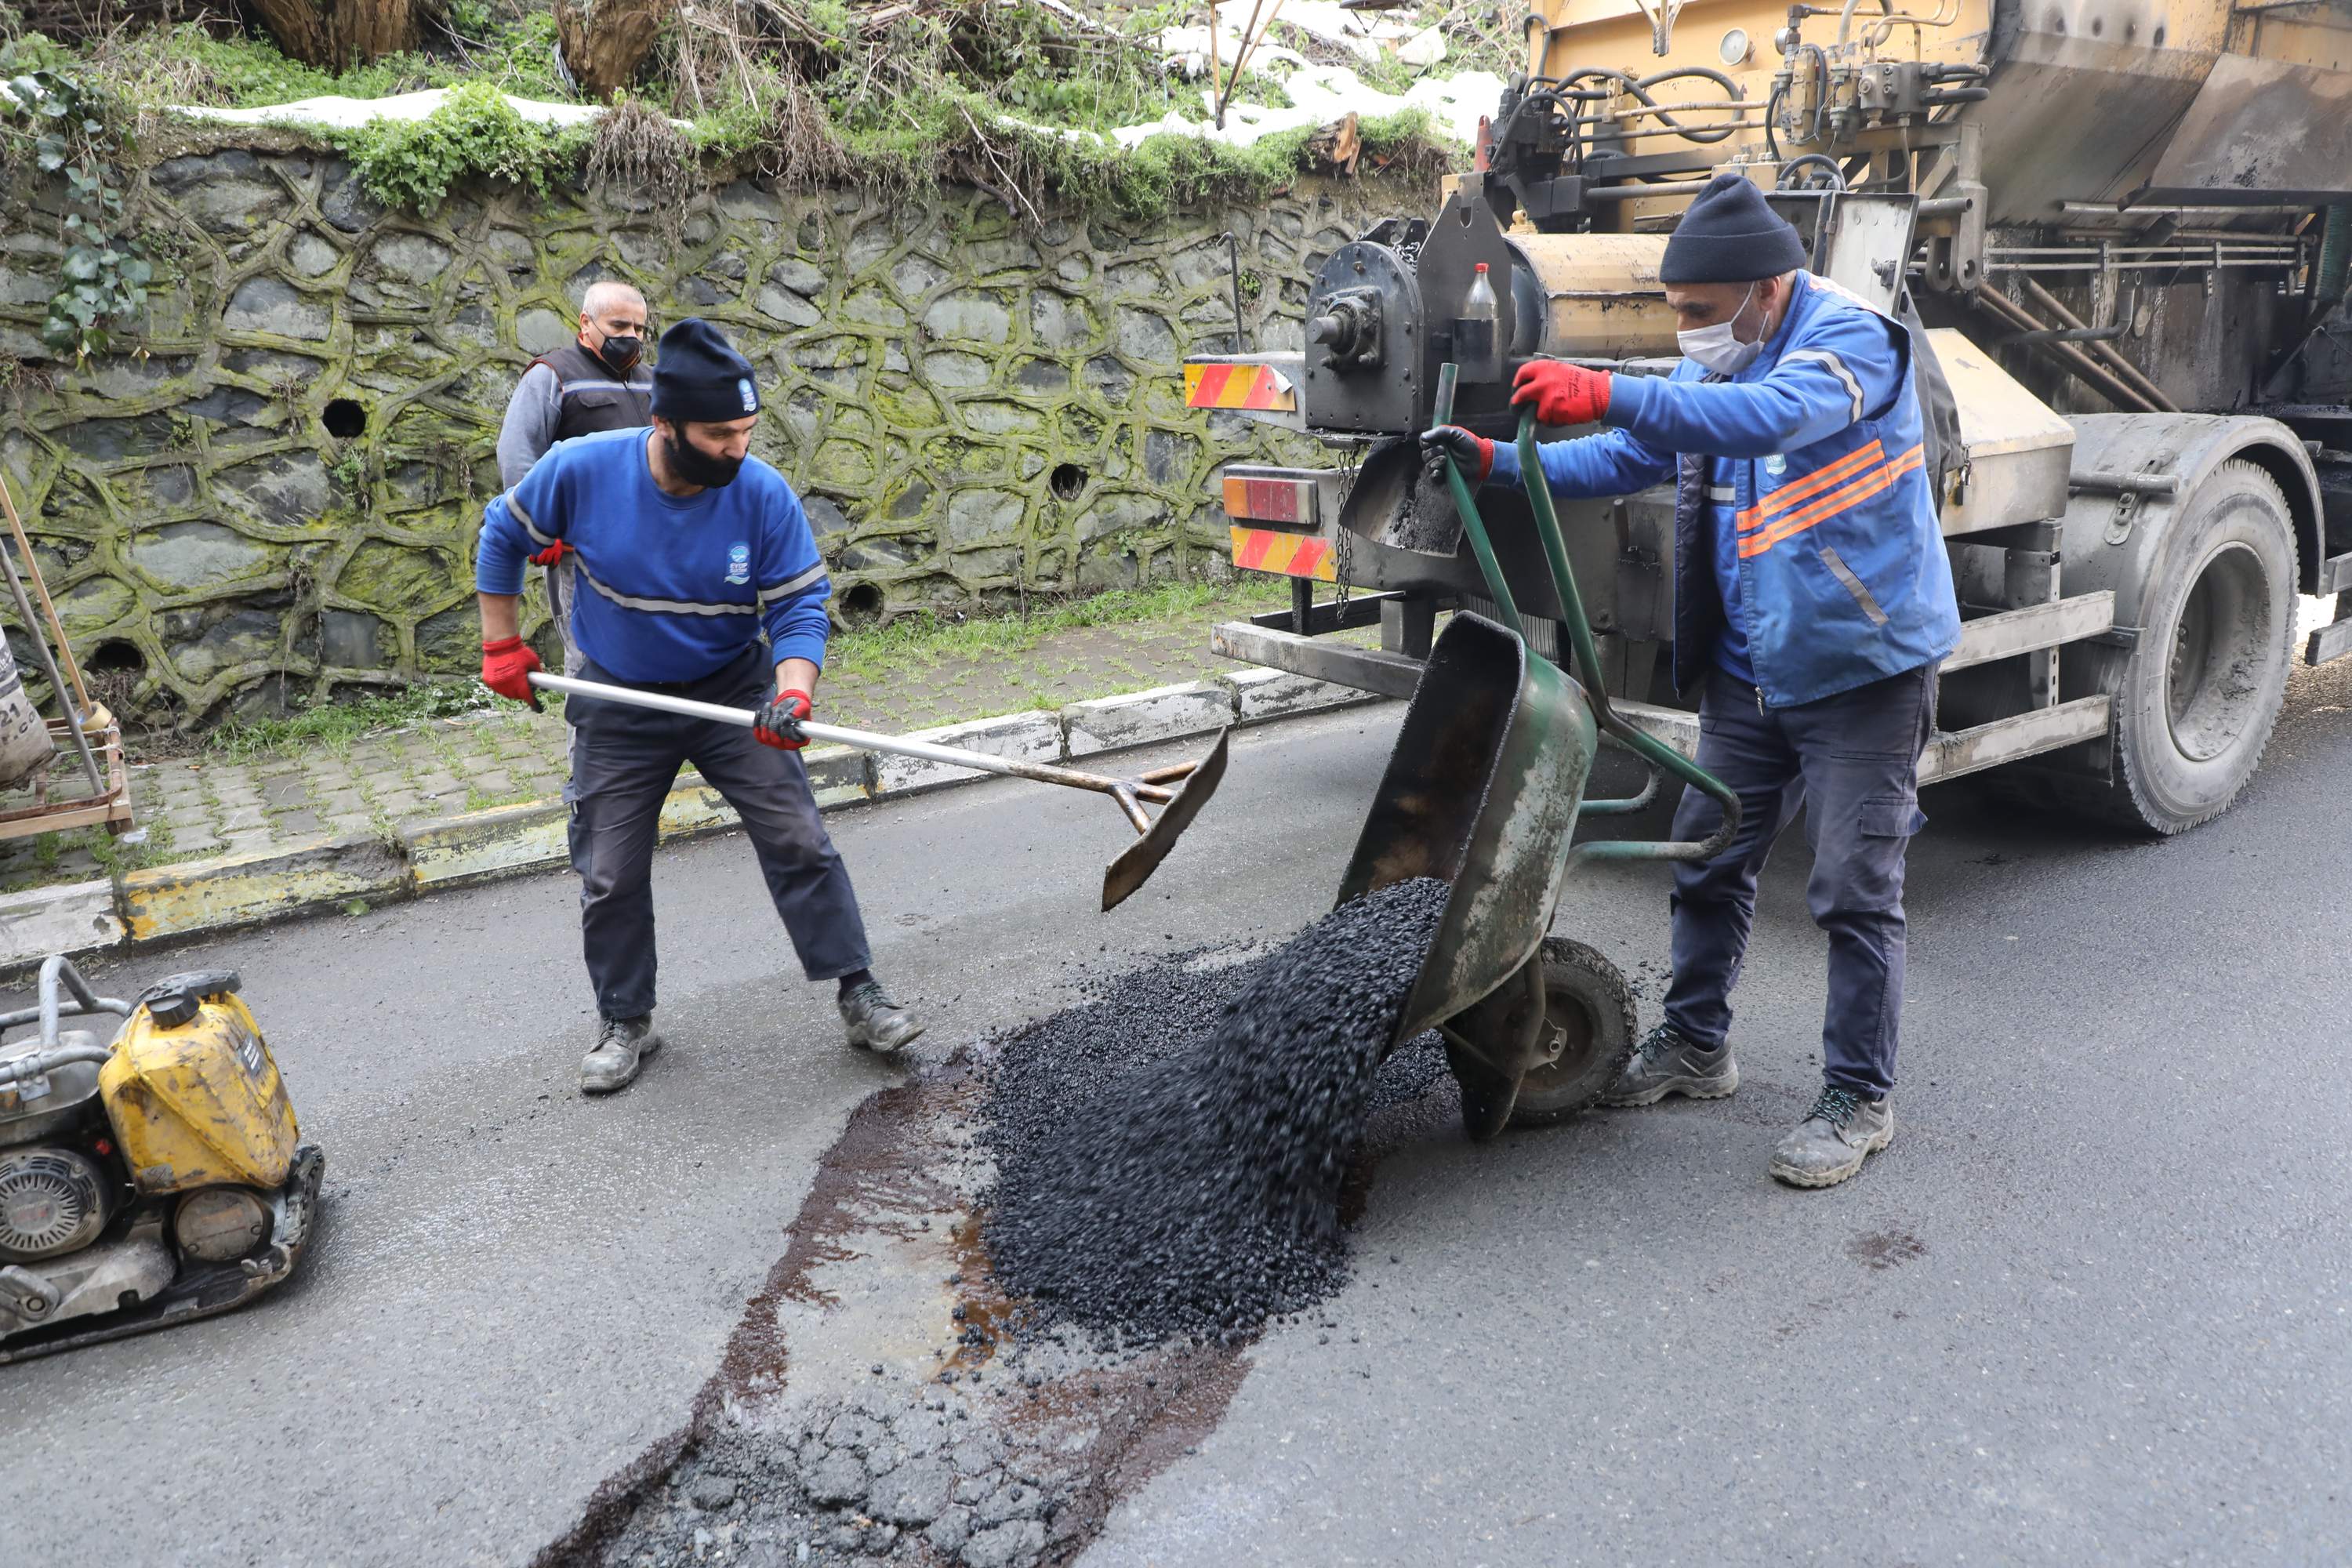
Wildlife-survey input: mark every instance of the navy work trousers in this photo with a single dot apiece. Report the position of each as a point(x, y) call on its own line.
point(624, 762)
point(1854, 757)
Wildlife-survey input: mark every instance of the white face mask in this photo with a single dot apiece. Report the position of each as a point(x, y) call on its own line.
point(1717, 347)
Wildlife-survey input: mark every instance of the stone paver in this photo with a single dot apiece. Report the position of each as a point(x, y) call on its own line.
point(205, 806)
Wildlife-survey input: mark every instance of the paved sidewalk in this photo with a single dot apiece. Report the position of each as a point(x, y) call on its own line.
point(205, 808)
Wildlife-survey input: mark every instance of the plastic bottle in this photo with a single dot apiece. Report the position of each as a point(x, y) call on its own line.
point(1475, 347)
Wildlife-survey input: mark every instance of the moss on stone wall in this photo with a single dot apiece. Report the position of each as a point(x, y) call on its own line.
point(973, 412)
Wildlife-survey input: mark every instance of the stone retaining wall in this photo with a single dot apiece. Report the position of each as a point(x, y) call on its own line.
point(279, 501)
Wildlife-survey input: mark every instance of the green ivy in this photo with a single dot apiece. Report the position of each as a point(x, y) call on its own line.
point(65, 130)
point(474, 133)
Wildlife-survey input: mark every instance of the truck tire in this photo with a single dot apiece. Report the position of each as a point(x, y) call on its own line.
point(2197, 699)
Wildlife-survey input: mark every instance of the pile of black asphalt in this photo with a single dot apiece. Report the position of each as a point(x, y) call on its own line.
point(1170, 1155)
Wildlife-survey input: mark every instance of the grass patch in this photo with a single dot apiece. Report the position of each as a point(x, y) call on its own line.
point(338, 724)
point(925, 640)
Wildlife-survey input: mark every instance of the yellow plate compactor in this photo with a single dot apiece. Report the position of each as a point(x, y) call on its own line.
point(148, 1179)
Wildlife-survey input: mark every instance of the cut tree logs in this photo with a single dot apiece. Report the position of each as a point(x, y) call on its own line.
point(605, 42)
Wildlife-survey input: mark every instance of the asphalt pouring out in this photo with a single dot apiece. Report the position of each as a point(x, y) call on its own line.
point(1168, 1171)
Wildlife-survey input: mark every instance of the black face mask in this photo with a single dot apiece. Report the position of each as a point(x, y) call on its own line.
point(621, 353)
point(696, 466)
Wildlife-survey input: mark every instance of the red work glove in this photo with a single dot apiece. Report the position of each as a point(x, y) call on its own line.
point(779, 724)
point(1563, 393)
point(1474, 455)
point(506, 667)
point(551, 554)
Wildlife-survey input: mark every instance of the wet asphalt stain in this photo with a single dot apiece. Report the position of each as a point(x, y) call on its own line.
point(1882, 1249)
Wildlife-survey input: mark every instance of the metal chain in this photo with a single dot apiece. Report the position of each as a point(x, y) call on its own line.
point(1343, 553)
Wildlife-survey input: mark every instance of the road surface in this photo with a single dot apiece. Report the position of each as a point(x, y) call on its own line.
point(2090, 1305)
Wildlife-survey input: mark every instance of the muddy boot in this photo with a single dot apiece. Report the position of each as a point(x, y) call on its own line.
point(875, 1022)
point(1670, 1063)
point(1836, 1136)
point(622, 1047)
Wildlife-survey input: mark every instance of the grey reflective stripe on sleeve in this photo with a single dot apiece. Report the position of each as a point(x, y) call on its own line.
point(572, 386)
point(1723, 493)
point(1837, 368)
point(791, 586)
point(1844, 574)
point(514, 509)
point(664, 606)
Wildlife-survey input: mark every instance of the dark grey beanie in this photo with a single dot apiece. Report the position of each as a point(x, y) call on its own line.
point(700, 377)
point(1731, 235)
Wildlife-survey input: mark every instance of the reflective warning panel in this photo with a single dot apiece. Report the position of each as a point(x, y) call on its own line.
point(1290, 554)
point(1238, 386)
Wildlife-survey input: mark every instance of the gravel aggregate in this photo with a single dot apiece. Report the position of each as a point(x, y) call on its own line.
point(1169, 1156)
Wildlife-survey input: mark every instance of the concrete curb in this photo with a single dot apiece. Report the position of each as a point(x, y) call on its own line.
point(172, 903)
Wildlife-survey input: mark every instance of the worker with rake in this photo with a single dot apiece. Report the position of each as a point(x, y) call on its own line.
point(698, 577)
point(1812, 602)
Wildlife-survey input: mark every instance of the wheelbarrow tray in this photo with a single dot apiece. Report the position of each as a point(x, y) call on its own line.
point(1481, 792)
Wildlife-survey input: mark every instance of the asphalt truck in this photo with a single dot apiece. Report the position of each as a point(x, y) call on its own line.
point(2121, 232)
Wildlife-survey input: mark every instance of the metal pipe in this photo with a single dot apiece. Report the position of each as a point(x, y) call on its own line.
point(1635, 192)
point(2085, 368)
point(2071, 335)
point(40, 1062)
point(1945, 206)
point(2105, 352)
point(2116, 209)
point(862, 739)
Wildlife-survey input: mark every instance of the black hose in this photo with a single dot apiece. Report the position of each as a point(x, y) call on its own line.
point(1837, 175)
point(1638, 88)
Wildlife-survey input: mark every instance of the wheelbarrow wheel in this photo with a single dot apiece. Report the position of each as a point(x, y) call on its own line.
point(1589, 1025)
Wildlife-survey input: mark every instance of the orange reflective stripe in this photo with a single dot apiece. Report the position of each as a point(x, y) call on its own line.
point(1873, 483)
point(1820, 479)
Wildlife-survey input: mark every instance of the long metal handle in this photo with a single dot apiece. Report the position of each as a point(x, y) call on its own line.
point(50, 668)
point(1442, 412)
point(1125, 791)
point(1587, 665)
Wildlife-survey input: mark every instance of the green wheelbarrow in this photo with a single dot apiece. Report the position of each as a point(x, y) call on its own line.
point(1483, 791)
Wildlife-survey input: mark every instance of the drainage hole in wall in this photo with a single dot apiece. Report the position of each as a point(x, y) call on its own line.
point(344, 418)
point(861, 605)
point(1067, 479)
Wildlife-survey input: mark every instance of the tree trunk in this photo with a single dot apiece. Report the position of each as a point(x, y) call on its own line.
point(334, 35)
point(604, 41)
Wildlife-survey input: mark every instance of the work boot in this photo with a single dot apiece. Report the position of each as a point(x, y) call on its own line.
point(875, 1022)
point(1836, 1136)
point(622, 1047)
point(1669, 1062)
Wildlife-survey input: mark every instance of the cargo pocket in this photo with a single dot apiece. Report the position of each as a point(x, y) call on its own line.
point(1891, 816)
point(1853, 585)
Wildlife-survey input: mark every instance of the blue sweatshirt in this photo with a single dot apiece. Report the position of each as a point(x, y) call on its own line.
point(1823, 371)
point(672, 588)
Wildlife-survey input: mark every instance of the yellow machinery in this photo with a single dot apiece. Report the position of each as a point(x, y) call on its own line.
point(2121, 233)
point(145, 1181)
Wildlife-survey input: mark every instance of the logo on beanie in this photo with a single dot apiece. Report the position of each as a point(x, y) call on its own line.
point(739, 563)
point(750, 398)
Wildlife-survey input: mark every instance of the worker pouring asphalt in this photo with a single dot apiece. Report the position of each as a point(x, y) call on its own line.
point(1812, 601)
point(699, 578)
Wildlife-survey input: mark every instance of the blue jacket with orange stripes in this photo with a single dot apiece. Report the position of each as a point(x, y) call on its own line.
point(1841, 568)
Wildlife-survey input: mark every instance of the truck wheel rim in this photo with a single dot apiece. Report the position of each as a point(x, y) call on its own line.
point(2221, 642)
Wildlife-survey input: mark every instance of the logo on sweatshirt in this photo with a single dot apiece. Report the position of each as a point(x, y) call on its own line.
point(1776, 465)
point(750, 397)
point(739, 563)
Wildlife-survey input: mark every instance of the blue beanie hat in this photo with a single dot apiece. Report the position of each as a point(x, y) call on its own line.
point(700, 378)
point(1729, 235)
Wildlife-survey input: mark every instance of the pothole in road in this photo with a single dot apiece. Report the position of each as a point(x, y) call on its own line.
point(883, 1399)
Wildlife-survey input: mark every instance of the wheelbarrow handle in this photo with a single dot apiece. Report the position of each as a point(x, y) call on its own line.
point(1127, 792)
point(1649, 749)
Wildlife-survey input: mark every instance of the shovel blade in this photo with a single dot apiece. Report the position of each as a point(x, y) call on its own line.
point(1123, 876)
